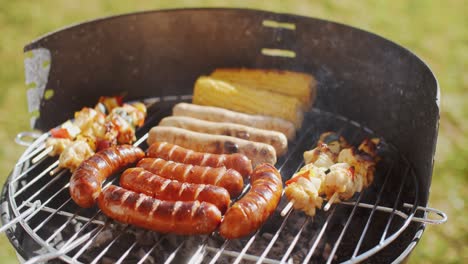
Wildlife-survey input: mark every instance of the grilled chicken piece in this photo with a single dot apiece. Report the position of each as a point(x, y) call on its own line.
point(321, 156)
point(343, 181)
point(89, 121)
point(371, 147)
point(334, 142)
point(304, 195)
point(58, 145)
point(304, 189)
point(364, 165)
point(74, 154)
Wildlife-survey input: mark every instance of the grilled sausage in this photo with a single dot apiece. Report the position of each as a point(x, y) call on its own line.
point(274, 138)
point(183, 218)
point(217, 114)
point(167, 151)
point(85, 183)
point(256, 206)
point(216, 144)
point(142, 181)
point(229, 179)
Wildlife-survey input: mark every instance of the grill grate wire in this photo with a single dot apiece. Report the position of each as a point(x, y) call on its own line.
point(51, 210)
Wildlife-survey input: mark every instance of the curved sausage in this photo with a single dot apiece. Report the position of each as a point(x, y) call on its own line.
point(85, 183)
point(183, 218)
point(274, 138)
point(257, 152)
point(143, 181)
point(217, 114)
point(168, 151)
point(256, 206)
point(229, 179)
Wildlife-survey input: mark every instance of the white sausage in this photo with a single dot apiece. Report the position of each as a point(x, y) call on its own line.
point(216, 114)
point(201, 142)
point(274, 138)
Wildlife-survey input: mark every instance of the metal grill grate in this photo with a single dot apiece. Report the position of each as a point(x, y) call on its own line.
point(350, 232)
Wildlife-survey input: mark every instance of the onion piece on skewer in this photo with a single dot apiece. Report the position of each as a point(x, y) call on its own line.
point(334, 171)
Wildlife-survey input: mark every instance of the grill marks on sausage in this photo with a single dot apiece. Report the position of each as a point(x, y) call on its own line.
point(167, 205)
point(142, 181)
point(85, 183)
point(256, 206)
point(175, 153)
point(229, 179)
point(184, 218)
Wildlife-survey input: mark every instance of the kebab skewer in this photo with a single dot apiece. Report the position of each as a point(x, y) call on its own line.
point(334, 170)
point(92, 130)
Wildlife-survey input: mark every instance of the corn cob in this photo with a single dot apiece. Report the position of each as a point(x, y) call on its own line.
point(296, 84)
point(213, 92)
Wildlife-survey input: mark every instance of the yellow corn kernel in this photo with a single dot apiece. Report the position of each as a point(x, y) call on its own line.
point(299, 85)
point(236, 97)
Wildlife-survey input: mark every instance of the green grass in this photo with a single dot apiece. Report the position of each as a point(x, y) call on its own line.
point(434, 30)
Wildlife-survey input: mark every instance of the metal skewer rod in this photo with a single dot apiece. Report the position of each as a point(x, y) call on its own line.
point(287, 208)
point(330, 202)
point(31, 154)
point(42, 154)
point(55, 171)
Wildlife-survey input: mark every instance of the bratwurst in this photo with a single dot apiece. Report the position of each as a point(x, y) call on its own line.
point(183, 218)
point(252, 210)
point(274, 138)
point(216, 144)
point(142, 181)
point(176, 153)
point(85, 183)
point(229, 179)
point(217, 114)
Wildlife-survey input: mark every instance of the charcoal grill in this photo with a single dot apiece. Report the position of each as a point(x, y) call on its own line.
point(364, 82)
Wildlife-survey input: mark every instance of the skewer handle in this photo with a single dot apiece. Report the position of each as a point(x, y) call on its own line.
point(287, 208)
point(55, 171)
point(330, 202)
point(42, 154)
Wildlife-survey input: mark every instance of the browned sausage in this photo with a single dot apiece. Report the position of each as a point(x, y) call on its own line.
point(175, 153)
point(257, 152)
point(250, 212)
point(183, 218)
point(274, 138)
point(143, 181)
point(85, 183)
point(229, 179)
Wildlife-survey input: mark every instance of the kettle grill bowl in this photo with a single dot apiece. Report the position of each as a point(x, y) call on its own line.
point(360, 75)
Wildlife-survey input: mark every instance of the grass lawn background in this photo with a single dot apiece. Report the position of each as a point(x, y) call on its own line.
point(434, 30)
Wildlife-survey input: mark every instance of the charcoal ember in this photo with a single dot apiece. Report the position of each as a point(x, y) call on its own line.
point(108, 260)
point(141, 253)
point(102, 238)
point(145, 238)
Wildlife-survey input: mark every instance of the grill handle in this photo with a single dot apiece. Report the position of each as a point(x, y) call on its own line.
point(26, 138)
point(427, 211)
